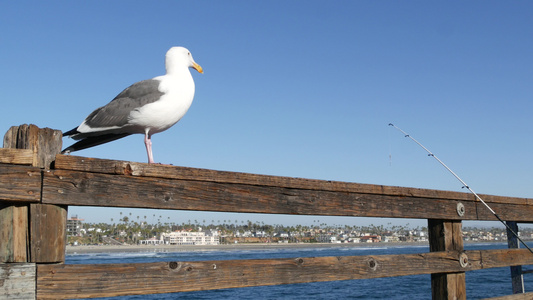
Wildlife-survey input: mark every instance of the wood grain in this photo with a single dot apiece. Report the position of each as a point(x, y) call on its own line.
point(79, 281)
point(82, 188)
point(128, 279)
point(48, 233)
point(45, 143)
point(20, 183)
point(13, 233)
point(445, 235)
point(524, 296)
point(16, 156)
point(46, 224)
point(17, 281)
point(104, 166)
point(68, 187)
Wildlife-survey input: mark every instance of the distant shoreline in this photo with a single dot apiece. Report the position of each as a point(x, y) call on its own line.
point(254, 246)
point(248, 246)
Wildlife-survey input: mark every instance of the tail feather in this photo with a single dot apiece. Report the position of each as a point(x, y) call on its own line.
point(92, 141)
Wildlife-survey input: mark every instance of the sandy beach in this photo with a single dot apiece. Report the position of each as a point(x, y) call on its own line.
point(175, 248)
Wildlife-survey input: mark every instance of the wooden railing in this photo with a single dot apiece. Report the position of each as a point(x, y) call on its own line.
point(37, 185)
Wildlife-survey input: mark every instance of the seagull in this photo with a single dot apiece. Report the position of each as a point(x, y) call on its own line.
point(146, 107)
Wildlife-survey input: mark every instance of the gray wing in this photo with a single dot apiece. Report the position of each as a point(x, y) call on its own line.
point(116, 112)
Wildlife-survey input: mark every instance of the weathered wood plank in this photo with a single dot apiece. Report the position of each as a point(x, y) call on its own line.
point(13, 233)
point(16, 156)
point(17, 281)
point(105, 280)
point(524, 296)
point(505, 258)
point(508, 212)
point(93, 189)
point(20, 183)
point(48, 233)
point(72, 281)
point(104, 166)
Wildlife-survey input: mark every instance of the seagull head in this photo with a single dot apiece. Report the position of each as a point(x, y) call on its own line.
point(179, 57)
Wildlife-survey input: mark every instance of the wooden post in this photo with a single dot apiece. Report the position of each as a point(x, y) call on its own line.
point(445, 236)
point(33, 232)
point(517, 278)
point(13, 233)
point(45, 142)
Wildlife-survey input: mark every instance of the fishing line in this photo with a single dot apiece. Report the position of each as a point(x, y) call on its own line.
point(390, 149)
point(464, 186)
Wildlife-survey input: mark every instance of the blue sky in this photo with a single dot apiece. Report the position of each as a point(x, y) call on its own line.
point(292, 88)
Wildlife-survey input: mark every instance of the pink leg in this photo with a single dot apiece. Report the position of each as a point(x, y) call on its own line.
point(148, 144)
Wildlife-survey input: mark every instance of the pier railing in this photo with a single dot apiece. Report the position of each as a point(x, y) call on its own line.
point(37, 185)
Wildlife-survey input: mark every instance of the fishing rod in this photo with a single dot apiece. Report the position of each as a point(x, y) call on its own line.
point(464, 185)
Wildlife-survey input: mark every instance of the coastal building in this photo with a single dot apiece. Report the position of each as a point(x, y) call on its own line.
point(152, 241)
point(74, 226)
point(354, 240)
point(370, 239)
point(184, 237)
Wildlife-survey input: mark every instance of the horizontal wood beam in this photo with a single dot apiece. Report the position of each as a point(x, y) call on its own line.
point(16, 156)
point(106, 280)
point(20, 183)
point(522, 296)
point(93, 189)
point(117, 167)
point(95, 182)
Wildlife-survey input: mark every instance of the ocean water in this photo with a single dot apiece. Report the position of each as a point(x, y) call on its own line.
point(479, 284)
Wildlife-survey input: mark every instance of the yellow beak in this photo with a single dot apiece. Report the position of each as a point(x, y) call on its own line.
point(198, 68)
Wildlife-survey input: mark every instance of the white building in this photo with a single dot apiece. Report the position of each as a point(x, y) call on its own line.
point(74, 226)
point(151, 241)
point(191, 238)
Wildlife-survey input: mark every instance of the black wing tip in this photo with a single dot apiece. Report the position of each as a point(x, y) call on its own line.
point(92, 141)
point(67, 150)
point(71, 132)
